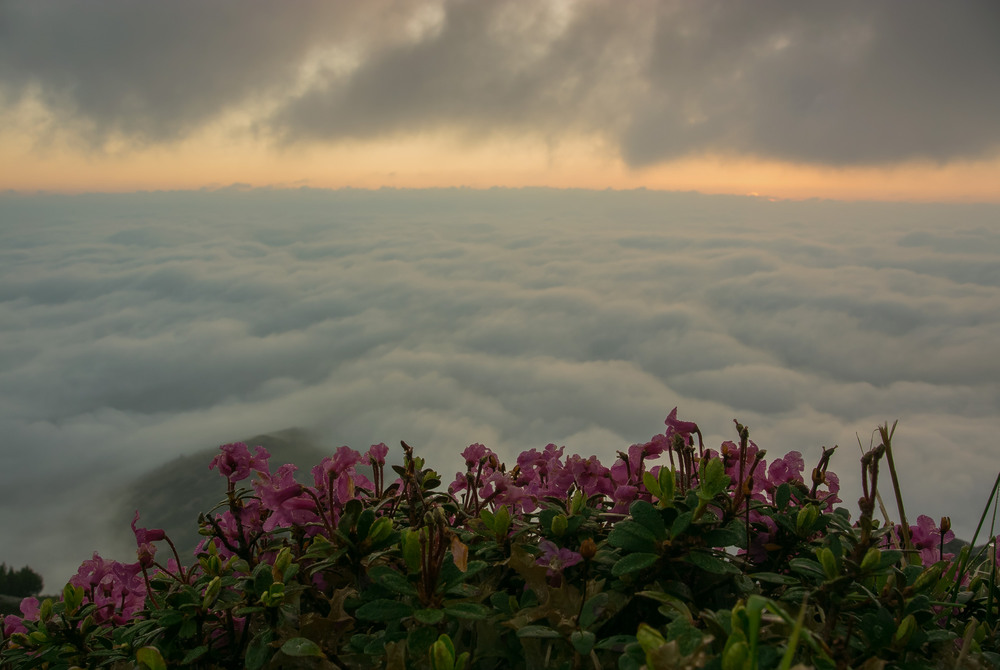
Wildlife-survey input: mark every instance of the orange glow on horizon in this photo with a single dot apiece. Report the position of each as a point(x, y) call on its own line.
point(426, 161)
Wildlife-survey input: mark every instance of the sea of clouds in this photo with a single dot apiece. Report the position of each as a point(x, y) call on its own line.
point(136, 328)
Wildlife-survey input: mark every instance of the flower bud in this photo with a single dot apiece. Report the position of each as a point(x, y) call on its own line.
point(281, 563)
point(945, 525)
point(212, 592)
point(559, 525)
point(588, 549)
point(829, 562)
point(928, 577)
point(907, 627)
point(806, 519)
point(871, 559)
point(380, 530)
point(735, 656)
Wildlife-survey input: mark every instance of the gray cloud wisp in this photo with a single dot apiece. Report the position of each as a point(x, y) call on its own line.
point(845, 83)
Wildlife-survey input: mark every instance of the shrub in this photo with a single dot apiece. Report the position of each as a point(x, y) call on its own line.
point(705, 558)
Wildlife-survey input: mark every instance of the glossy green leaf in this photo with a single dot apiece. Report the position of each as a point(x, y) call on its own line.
point(633, 563)
point(429, 616)
point(301, 646)
point(383, 610)
point(538, 631)
point(582, 641)
point(592, 609)
point(650, 518)
point(388, 578)
point(151, 658)
point(709, 562)
point(632, 536)
point(466, 611)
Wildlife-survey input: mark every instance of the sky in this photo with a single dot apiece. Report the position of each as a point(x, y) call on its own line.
point(847, 100)
point(511, 223)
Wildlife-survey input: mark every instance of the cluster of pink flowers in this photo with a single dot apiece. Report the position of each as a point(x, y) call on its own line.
point(118, 589)
point(927, 538)
point(283, 502)
point(544, 474)
point(15, 624)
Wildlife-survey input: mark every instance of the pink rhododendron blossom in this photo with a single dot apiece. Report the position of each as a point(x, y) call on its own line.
point(474, 453)
point(926, 537)
point(335, 477)
point(144, 539)
point(556, 559)
point(235, 461)
point(117, 589)
point(285, 499)
point(376, 454)
point(623, 497)
point(678, 427)
point(15, 624)
point(589, 475)
point(781, 471)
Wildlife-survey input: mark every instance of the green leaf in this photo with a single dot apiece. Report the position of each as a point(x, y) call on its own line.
point(774, 578)
point(650, 518)
point(429, 616)
point(722, 537)
point(259, 652)
point(592, 609)
point(582, 641)
point(889, 558)
point(466, 611)
point(633, 563)
point(151, 658)
point(680, 525)
point(711, 563)
point(365, 521)
point(782, 495)
point(652, 484)
point(388, 578)
point(538, 631)
point(194, 655)
point(714, 479)
point(419, 640)
point(383, 610)
point(632, 536)
point(807, 567)
point(301, 646)
point(615, 642)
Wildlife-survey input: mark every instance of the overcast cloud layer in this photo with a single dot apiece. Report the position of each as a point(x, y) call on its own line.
point(134, 328)
point(851, 82)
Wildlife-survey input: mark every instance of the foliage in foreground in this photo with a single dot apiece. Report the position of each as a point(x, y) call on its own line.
point(716, 559)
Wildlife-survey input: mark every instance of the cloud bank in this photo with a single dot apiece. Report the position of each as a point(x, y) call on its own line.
point(847, 83)
point(137, 328)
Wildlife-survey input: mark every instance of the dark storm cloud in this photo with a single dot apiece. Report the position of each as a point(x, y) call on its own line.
point(843, 83)
point(136, 328)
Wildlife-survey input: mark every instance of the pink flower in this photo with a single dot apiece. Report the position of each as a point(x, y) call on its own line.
point(343, 459)
point(15, 624)
point(677, 427)
point(556, 559)
point(117, 589)
point(473, 454)
point(286, 500)
point(376, 454)
point(235, 461)
point(926, 536)
point(144, 539)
